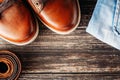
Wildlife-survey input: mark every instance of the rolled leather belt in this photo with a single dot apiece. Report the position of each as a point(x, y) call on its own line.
point(10, 66)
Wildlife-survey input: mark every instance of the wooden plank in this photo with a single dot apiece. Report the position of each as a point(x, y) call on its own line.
point(70, 77)
point(70, 62)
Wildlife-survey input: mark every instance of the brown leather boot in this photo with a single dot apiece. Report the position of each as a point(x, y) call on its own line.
point(61, 16)
point(10, 66)
point(17, 25)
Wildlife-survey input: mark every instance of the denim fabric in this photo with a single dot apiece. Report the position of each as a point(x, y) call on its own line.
point(105, 22)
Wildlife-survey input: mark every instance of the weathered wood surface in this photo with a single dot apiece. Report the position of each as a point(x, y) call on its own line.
point(77, 56)
point(69, 77)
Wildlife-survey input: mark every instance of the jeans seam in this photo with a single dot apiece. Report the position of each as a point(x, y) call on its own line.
point(116, 18)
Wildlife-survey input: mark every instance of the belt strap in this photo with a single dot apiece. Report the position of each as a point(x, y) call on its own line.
point(10, 66)
point(6, 4)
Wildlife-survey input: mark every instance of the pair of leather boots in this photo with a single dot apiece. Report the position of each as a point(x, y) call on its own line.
point(18, 23)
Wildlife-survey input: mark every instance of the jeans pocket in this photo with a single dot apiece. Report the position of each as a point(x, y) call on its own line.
point(116, 19)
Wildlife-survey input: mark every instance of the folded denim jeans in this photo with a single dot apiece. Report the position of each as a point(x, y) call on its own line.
point(105, 22)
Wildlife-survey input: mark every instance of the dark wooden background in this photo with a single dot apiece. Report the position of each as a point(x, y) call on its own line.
point(77, 56)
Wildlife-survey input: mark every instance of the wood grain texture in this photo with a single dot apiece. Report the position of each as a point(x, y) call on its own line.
point(76, 56)
point(70, 77)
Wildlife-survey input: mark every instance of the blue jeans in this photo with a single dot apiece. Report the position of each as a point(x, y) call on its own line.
point(105, 22)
